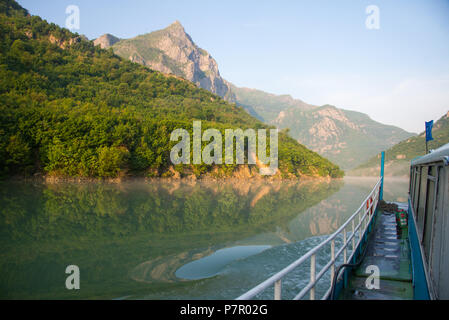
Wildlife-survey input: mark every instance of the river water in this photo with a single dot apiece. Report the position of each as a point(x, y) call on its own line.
point(167, 240)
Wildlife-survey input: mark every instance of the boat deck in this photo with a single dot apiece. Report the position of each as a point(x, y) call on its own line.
point(388, 248)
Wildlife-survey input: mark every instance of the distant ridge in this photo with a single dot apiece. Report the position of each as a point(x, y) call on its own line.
point(348, 138)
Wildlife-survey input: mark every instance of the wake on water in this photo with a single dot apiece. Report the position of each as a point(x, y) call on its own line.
point(230, 279)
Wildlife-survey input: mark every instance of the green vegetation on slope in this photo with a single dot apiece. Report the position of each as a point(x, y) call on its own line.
point(68, 108)
point(397, 158)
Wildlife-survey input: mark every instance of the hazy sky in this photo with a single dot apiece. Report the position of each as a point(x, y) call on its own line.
point(318, 51)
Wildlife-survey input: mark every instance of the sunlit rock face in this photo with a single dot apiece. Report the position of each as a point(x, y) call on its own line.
point(106, 41)
point(172, 51)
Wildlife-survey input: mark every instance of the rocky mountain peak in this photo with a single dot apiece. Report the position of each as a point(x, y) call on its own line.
point(176, 25)
point(105, 41)
point(176, 29)
point(172, 51)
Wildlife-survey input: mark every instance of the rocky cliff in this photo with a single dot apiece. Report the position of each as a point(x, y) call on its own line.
point(172, 51)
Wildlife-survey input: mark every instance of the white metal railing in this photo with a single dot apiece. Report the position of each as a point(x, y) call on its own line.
point(364, 214)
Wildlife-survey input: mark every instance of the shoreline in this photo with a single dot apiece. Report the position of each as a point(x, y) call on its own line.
point(49, 179)
point(186, 179)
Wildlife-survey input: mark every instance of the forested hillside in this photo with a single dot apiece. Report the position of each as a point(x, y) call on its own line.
point(397, 158)
point(68, 108)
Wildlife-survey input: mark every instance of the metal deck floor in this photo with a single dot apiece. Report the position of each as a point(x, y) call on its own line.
point(388, 248)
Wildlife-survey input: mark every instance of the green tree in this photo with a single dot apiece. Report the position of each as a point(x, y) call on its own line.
point(112, 160)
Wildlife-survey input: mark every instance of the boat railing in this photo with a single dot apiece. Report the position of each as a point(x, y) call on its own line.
point(357, 223)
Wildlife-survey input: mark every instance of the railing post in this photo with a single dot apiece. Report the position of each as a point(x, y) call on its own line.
point(360, 218)
point(277, 290)
point(312, 276)
point(365, 221)
point(332, 258)
point(353, 235)
point(382, 165)
point(345, 247)
point(360, 226)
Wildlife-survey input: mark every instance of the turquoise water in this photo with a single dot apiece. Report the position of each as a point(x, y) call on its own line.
point(166, 240)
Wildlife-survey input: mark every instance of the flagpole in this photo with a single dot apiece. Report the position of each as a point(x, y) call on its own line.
point(429, 125)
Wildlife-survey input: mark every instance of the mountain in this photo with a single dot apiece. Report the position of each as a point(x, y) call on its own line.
point(71, 109)
point(397, 158)
point(172, 51)
point(266, 106)
point(346, 137)
point(106, 41)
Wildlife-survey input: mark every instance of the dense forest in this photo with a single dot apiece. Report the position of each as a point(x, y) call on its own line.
point(70, 109)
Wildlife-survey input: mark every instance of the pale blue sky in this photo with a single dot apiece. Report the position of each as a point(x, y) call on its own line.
point(319, 51)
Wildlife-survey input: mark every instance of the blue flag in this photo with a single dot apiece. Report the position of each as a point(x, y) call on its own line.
point(429, 126)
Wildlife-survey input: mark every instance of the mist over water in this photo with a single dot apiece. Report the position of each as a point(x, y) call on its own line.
point(167, 240)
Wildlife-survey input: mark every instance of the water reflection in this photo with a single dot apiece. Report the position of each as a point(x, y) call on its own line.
point(131, 239)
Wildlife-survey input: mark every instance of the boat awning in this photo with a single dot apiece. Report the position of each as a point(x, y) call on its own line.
point(439, 155)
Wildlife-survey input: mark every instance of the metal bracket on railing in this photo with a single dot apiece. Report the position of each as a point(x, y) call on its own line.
point(446, 160)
